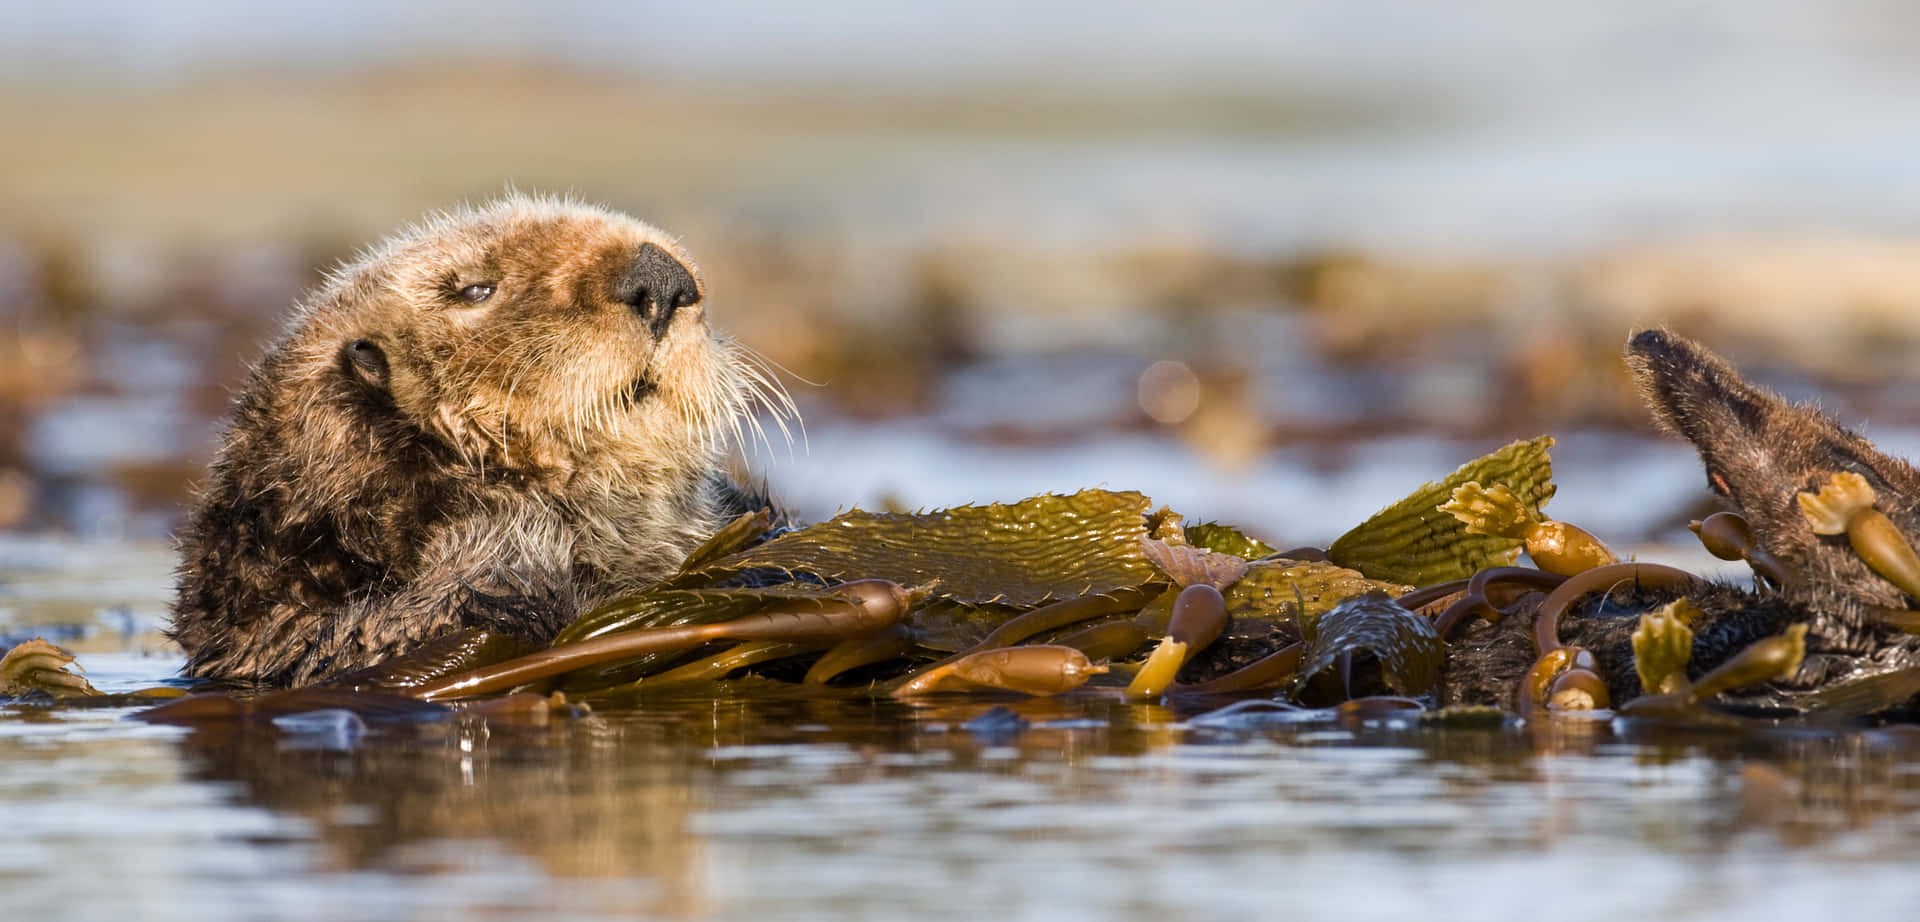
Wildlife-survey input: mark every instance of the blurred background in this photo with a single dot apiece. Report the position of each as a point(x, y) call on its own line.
point(1273, 261)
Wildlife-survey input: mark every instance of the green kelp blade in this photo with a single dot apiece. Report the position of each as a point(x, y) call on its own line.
point(1413, 542)
point(1277, 589)
point(1040, 549)
point(664, 607)
point(730, 538)
point(946, 626)
point(1409, 651)
point(1226, 539)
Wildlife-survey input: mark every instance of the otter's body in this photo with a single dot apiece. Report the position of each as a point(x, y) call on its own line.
point(494, 419)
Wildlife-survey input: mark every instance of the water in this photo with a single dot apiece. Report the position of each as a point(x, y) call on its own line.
point(839, 807)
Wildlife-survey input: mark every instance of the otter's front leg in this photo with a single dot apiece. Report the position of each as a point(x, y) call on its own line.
point(509, 574)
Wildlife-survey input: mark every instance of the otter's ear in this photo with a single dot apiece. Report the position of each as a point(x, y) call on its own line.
point(366, 362)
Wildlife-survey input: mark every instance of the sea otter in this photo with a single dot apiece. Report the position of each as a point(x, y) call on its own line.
point(492, 419)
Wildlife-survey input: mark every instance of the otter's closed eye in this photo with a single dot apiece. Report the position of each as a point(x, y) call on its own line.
point(474, 294)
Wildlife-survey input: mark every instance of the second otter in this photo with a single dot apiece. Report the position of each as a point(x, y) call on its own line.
point(493, 419)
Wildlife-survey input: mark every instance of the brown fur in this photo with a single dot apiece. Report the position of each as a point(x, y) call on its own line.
point(1759, 451)
point(404, 463)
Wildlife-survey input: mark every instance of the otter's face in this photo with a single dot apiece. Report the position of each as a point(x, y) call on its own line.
point(537, 332)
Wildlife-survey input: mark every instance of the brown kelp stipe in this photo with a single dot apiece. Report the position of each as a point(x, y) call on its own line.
point(1199, 615)
point(1108, 640)
point(1042, 669)
point(1776, 657)
point(1546, 624)
point(1567, 678)
point(889, 642)
point(1270, 671)
point(852, 608)
point(1060, 614)
point(716, 667)
point(1475, 602)
point(1047, 618)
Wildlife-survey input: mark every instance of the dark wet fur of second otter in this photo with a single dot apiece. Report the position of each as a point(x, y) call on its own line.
point(1486, 661)
point(1759, 452)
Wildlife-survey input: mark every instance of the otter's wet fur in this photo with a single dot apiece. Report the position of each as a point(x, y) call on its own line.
point(494, 418)
point(1759, 452)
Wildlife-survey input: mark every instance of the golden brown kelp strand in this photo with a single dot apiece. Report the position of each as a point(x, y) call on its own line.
point(739, 656)
point(855, 607)
point(1547, 621)
point(1044, 669)
point(1776, 657)
point(890, 642)
point(1060, 614)
point(1475, 601)
point(1110, 640)
point(1427, 595)
point(1566, 677)
point(1271, 671)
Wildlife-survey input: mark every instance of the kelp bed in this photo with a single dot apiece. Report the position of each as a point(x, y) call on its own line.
point(1419, 607)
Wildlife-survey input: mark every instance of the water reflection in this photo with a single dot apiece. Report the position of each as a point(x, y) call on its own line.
point(840, 806)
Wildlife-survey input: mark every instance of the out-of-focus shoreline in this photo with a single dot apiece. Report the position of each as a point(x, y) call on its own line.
point(952, 259)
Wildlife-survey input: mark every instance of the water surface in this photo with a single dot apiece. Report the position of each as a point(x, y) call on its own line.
point(773, 804)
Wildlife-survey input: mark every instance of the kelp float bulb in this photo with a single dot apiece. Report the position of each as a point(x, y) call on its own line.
point(1844, 505)
point(1727, 535)
point(1042, 669)
point(1555, 547)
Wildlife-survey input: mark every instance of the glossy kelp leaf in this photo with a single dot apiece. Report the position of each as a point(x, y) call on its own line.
point(1409, 651)
point(1413, 542)
point(1040, 549)
point(664, 607)
point(1276, 589)
point(731, 538)
point(1226, 539)
point(946, 626)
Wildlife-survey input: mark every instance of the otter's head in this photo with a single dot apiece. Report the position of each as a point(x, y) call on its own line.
point(538, 334)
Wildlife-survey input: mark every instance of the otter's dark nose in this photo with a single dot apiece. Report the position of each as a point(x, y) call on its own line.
point(656, 286)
